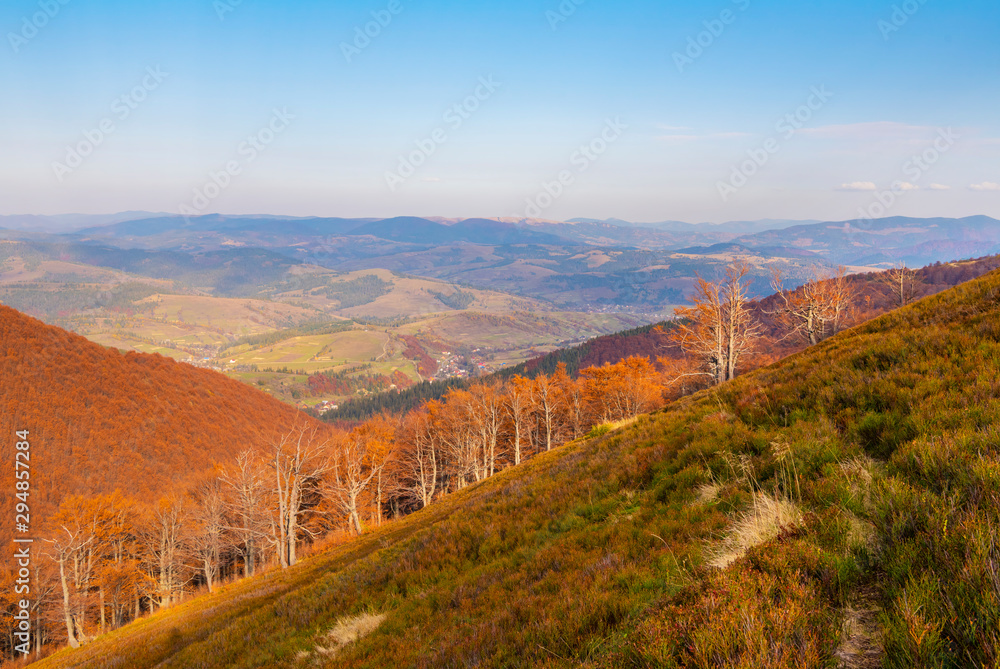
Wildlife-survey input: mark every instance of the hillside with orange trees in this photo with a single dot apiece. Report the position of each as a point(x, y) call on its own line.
point(100, 420)
point(152, 479)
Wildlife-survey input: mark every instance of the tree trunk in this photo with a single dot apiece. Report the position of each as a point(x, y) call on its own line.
point(208, 573)
point(67, 612)
point(517, 442)
point(100, 596)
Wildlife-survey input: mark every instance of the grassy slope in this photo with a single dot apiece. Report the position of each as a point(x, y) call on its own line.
point(594, 554)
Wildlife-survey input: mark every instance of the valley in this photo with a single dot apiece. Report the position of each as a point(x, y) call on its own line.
point(377, 329)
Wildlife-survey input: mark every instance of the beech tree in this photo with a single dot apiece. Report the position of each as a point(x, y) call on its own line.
point(210, 529)
point(354, 466)
point(517, 405)
point(167, 544)
point(120, 580)
point(719, 329)
point(572, 400)
point(298, 460)
point(72, 536)
point(816, 310)
point(545, 396)
point(902, 281)
point(123, 585)
point(246, 502)
point(621, 391)
point(457, 425)
point(486, 408)
point(421, 458)
point(381, 435)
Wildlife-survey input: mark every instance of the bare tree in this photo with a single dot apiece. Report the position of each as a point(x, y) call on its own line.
point(246, 503)
point(67, 549)
point(457, 427)
point(487, 411)
point(742, 330)
point(902, 281)
point(816, 310)
point(517, 404)
point(298, 460)
point(354, 468)
point(210, 528)
point(421, 460)
point(544, 394)
point(719, 329)
point(168, 545)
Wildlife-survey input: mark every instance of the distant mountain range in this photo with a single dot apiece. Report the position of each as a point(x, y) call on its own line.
point(582, 263)
point(68, 222)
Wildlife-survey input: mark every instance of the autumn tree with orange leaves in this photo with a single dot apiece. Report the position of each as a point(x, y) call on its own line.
point(356, 461)
point(621, 391)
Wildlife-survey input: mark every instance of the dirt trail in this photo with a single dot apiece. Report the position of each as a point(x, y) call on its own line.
point(860, 647)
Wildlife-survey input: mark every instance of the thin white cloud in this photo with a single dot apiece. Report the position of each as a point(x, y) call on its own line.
point(905, 185)
point(985, 186)
point(708, 136)
point(870, 131)
point(938, 187)
point(856, 186)
point(677, 138)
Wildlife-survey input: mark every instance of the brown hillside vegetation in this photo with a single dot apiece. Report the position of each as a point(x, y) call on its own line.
point(111, 435)
point(101, 421)
point(841, 503)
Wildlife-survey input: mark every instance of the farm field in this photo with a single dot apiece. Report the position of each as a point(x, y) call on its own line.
point(515, 335)
point(317, 353)
point(233, 316)
point(403, 295)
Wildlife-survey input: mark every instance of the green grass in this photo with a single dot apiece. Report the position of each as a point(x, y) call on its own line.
point(596, 554)
point(317, 352)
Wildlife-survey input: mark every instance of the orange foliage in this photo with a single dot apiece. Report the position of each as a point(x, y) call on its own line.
point(101, 421)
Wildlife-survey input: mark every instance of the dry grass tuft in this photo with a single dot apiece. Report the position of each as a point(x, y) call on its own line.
point(860, 533)
point(707, 493)
point(625, 422)
point(757, 526)
point(348, 630)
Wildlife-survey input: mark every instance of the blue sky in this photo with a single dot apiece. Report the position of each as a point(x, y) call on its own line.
point(369, 133)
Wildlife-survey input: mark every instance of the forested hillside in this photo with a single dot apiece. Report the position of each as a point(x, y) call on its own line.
point(128, 435)
point(101, 420)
